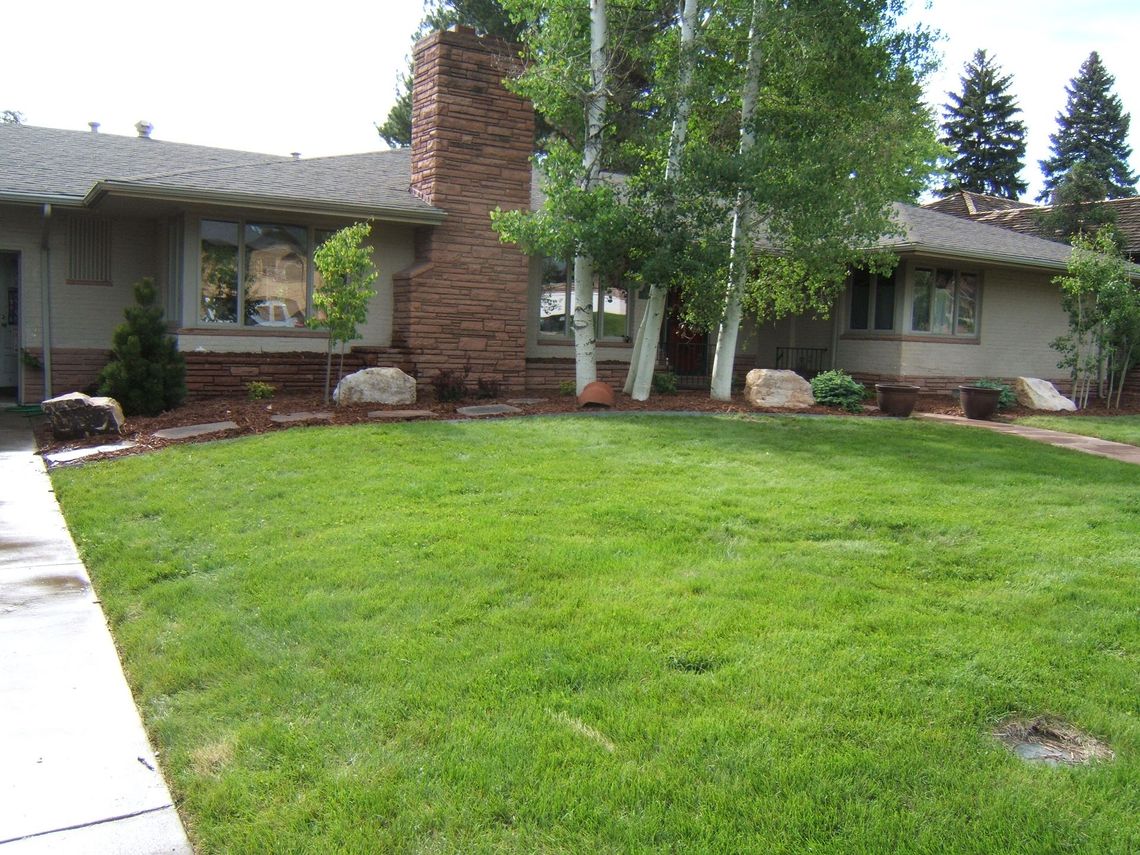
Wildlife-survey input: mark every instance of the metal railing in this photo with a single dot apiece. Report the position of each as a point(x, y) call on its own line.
point(805, 361)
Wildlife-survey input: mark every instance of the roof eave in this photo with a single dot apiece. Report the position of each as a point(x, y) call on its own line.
point(293, 204)
point(991, 257)
point(21, 197)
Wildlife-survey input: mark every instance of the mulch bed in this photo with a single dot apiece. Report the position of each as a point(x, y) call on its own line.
point(253, 417)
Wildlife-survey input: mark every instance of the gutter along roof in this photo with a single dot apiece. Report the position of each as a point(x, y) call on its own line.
point(81, 168)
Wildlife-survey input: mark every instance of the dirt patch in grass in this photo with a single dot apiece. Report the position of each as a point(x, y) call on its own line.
point(1050, 741)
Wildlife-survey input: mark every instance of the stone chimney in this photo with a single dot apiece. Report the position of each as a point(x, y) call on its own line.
point(466, 297)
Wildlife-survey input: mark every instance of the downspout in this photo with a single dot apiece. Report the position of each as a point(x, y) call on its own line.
point(45, 299)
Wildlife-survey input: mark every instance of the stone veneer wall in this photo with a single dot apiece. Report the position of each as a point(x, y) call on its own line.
point(464, 301)
point(73, 369)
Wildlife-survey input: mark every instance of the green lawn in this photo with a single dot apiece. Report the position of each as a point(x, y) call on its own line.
point(1116, 428)
point(625, 635)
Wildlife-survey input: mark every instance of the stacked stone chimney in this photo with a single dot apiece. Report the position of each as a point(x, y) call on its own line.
point(466, 297)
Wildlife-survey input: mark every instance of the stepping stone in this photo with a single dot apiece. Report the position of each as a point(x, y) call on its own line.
point(57, 457)
point(523, 402)
point(288, 418)
point(195, 430)
point(401, 414)
point(488, 410)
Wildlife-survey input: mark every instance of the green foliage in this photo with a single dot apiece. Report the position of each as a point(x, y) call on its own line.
point(259, 390)
point(987, 143)
point(567, 387)
point(396, 129)
point(664, 382)
point(1077, 205)
point(450, 385)
point(837, 388)
point(1093, 130)
point(146, 374)
point(1006, 399)
point(1103, 304)
point(341, 298)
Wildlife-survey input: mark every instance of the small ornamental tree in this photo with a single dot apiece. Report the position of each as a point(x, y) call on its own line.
point(341, 297)
point(146, 373)
point(1104, 317)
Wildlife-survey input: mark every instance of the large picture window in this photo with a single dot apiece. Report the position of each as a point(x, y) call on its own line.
point(255, 274)
point(945, 302)
point(556, 305)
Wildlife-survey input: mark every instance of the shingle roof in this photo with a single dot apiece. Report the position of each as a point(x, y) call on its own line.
point(1026, 221)
point(45, 162)
point(966, 203)
point(935, 233)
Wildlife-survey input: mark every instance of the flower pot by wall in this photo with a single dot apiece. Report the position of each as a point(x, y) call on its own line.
point(896, 399)
point(978, 402)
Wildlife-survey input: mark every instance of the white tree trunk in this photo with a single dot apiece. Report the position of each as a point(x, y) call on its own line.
point(640, 379)
point(585, 329)
point(721, 387)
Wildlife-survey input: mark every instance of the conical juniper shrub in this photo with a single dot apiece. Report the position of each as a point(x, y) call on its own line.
point(146, 374)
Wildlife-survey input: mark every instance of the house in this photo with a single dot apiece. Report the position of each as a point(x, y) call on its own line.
point(229, 236)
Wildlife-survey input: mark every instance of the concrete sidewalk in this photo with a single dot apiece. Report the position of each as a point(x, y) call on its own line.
point(1087, 444)
point(77, 774)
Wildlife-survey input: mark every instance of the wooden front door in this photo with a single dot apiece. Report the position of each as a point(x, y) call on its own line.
point(686, 348)
point(9, 320)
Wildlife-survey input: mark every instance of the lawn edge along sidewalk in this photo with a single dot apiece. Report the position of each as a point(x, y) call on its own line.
point(1088, 444)
point(79, 774)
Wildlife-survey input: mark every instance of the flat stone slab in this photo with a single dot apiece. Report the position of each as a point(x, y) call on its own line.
point(401, 414)
point(523, 402)
point(289, 418)
point(195, 430)
point(58, 457)
point(488, 410)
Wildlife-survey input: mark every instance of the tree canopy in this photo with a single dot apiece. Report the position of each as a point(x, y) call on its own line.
point(986, 140)
point(1093, 130)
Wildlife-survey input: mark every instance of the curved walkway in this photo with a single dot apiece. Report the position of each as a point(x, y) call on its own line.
point(1088, 444)
point(78, 774)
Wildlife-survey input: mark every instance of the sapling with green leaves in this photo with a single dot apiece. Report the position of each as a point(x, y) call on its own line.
point(341, 297)
point(1104, 317)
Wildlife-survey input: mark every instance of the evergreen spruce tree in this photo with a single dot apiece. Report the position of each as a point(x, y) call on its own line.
point(1093, 130)
point(987, 141)
point(146, 374)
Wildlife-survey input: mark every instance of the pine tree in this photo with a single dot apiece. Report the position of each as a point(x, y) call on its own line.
point(146, 374)
point(1093, 130)
point(987, 142)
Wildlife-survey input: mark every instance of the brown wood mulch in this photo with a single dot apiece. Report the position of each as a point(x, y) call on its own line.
point(253, 417)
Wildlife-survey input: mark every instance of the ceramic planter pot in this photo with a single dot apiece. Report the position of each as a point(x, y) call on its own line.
point(978, 402)
point(896, 399)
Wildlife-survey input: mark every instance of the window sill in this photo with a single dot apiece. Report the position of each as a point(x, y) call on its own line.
point(569, 342)
point(909, 337)
point(253, 332)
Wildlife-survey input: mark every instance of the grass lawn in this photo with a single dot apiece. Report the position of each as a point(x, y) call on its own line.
point(625, 635)
point(1115, 428)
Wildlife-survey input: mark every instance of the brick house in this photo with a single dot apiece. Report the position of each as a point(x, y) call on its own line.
point(228, 237)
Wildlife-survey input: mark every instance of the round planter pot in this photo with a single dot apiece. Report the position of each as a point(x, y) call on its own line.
point(978, 402)
point(896, 399)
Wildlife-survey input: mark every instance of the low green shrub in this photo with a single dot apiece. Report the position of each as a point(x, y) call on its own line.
point(664, 382)
point(1006, 399)
point(259, 391)
point(567, 387)
point(487, 387)
point(837, 388)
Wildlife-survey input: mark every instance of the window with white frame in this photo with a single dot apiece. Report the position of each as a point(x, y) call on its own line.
point(612, 303)
point(944, 302)
point(255, 274)
point(872, 302)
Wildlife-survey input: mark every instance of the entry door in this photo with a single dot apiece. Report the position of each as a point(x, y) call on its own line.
point(9, 319)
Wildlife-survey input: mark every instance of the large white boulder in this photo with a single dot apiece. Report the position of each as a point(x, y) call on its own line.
point(1040, 395)
point(75, 415)
point(376, 386)
point(774, 388)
